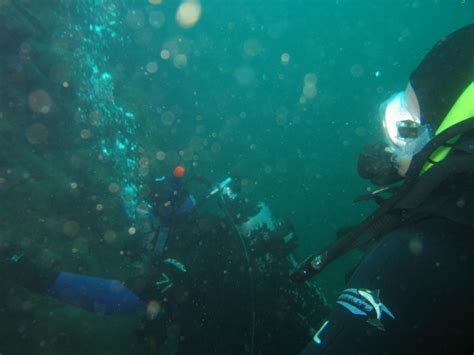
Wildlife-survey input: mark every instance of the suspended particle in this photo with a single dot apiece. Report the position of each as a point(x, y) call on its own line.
point(167, 118)
point(73, 185)
point(40, 101)
point(216, 147)
point(160, 155)
point(180, 61)
point(310, 79)
point(135, 19)
point(144, 162)
point(114, 188)
point(109, 236)
point(189, 13)
point(244, 75)
point(81, 244)
point(285, 59)
point(357, 70)
point(252, 47)
point(132, 230)
point(415, 246)
point(186, 154)
point(360, 131)
point(200, 129)
point(59, 73)
point(156, 19)
point(37, 133)
point(85, 134)
point(155, 2)
point(196, 143)
point(309, 91)
point(153, 309)
point(99, 207)
point(461, 202)
point(165, 54)
point(281, 120)
point(71, 228)
point(95, 118)
point(152, 67)
point(25, 49)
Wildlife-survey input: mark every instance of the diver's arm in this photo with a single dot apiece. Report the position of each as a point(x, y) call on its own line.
point(92, 294)
point(420, 279)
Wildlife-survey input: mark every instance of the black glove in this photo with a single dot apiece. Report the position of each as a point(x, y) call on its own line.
point(311, 266)
point(16, 268)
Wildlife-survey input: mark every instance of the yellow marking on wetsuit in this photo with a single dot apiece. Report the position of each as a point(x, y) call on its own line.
point(462, 109)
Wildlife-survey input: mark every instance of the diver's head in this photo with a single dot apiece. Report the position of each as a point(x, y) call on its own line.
point(179, 171)
point(405, 135)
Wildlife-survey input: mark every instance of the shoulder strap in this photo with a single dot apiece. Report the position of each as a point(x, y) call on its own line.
point(316, 263)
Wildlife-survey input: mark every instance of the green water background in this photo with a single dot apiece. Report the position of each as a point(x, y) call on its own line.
point(235, 108)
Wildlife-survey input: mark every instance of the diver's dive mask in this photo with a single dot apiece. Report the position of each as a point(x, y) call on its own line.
point(409, 129)
point(404, 132)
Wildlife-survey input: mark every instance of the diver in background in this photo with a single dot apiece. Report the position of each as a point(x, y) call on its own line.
point(221, 284)
point(413, 291)
point(233, 266)
point(167, 199)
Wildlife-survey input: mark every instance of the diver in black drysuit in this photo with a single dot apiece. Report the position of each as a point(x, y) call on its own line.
point(227, 264)
point(413, 292)
point(219, 286)
point(97, 295)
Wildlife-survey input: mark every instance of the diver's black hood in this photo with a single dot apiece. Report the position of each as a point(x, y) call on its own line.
point(444, 74)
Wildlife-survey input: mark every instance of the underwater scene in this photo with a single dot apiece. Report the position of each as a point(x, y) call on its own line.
point(176, 174)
